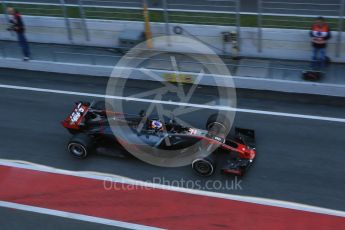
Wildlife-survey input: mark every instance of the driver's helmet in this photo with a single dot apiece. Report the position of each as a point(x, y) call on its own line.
point(156, 125)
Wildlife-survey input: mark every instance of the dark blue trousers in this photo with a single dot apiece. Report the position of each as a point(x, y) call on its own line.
point(23, 44)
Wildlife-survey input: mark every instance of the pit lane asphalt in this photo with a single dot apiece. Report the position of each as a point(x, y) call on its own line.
point(298, 160)
point(28, 220)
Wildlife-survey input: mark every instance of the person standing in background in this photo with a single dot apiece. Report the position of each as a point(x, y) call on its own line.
point(320, 34)
point(17, 25)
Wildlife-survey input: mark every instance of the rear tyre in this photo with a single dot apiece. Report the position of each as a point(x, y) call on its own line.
point(80, 146)
point(218, 123)
point(203, 167)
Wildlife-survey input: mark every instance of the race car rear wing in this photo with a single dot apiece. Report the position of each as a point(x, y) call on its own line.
point(73, 121)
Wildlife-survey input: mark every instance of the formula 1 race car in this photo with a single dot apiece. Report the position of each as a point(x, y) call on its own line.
point(89, 124)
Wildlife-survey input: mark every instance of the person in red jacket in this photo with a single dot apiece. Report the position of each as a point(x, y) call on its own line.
point(17, 25)
point(320, 34)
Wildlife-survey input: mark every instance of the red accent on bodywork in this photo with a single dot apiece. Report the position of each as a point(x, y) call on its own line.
point(232, 171)
point(243, 150)
point(68, 123)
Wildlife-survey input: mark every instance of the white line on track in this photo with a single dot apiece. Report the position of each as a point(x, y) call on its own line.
point(213, 107)
point(125, 180)
point(74, 216)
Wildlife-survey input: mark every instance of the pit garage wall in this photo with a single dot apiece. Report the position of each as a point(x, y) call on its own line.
point(277, 43)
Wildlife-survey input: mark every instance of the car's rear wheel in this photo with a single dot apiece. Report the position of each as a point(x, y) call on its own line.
point(80, 146)
point(203, 167)
point(218, 124)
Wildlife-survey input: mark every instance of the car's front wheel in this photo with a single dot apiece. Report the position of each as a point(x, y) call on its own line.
point(203, 167)
point(80, 146)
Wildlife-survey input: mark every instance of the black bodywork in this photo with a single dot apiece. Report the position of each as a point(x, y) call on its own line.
point(91, 125)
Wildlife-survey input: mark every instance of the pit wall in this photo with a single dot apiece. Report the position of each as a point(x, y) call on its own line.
point(276, 43)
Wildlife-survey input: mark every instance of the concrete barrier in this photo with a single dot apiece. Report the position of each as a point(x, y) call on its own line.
point(277, 43)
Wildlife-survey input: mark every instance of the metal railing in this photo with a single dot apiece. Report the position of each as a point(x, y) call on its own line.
point(35, 7)
point(284, 14)
point(215, 12)
point(208, 12)
point(126, 10)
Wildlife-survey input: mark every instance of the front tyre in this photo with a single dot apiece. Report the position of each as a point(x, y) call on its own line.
point(203, 167)
point(80, 146)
